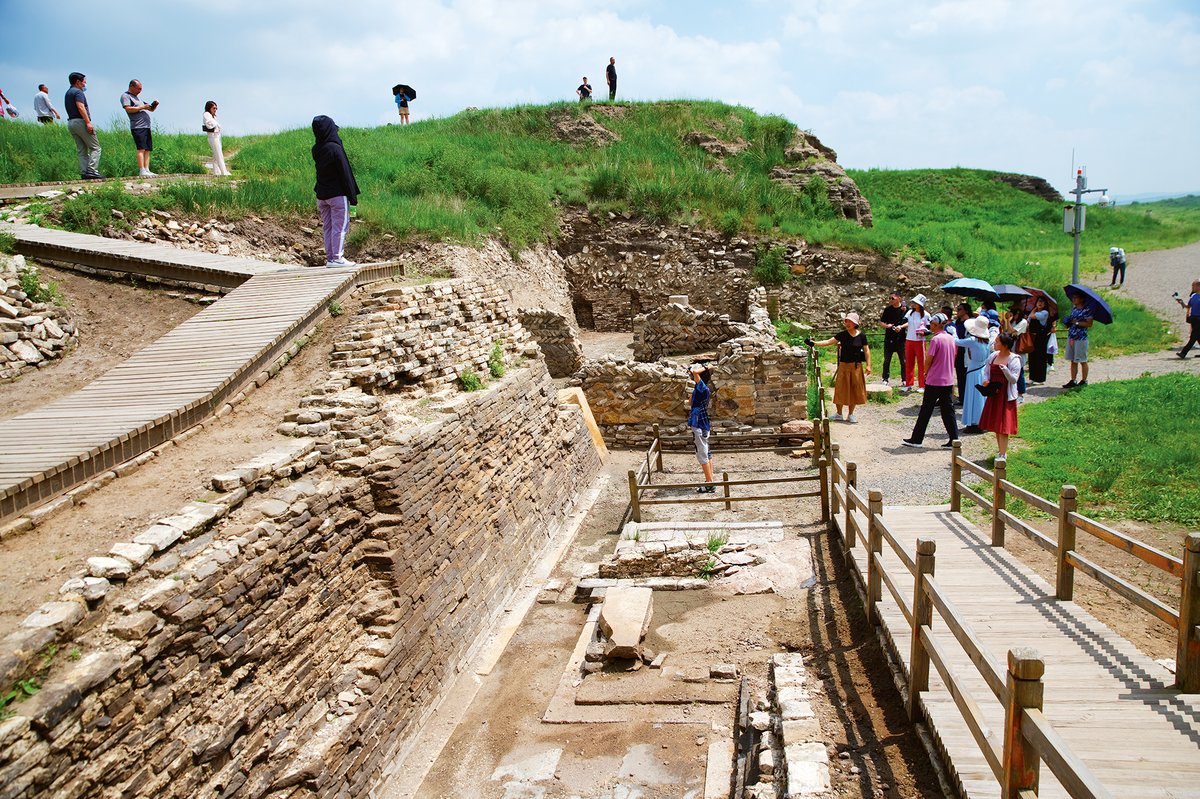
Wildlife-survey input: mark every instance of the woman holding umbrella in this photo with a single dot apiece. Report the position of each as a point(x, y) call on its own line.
point(1039, 325)
point(1078, 321)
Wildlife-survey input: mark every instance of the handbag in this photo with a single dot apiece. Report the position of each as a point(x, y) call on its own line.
point(1025, 343)
point(988, 389)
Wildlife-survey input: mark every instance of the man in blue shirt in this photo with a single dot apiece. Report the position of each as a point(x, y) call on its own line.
point(79, 123)
point(1192, 306)
point(700, 424)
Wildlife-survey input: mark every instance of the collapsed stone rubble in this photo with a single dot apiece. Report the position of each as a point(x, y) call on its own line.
point(32, 334)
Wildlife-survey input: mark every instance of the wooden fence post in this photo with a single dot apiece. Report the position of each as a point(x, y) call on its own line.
point(918, 658)
point(998, 475)
point(818, 447)
point(821, 399)
point(658, 440)
point(1021, 762)
point(1187, 656)
point(955, 477)
point(725, 481)
point(634, 505)
point(835, 453)
point(851, 480)
point(874, 550)
point(826, 438)
point(1064, 584)
point(823, 474)
point(649, 477)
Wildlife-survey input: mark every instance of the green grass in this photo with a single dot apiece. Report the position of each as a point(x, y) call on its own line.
point(1128, 446)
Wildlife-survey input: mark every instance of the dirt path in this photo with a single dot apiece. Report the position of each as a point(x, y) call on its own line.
point(1151, 278)
point(115, 320)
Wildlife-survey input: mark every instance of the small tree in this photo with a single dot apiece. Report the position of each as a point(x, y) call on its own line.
point(770, 268)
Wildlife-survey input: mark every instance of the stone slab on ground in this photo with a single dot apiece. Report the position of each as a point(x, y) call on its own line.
point(625, 619)
point(648, 687)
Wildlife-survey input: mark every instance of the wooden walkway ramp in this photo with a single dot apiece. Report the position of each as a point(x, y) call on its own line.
point(1113, 707)
point(175, 382)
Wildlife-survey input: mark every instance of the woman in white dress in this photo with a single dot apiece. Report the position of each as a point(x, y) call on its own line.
point(213, 128)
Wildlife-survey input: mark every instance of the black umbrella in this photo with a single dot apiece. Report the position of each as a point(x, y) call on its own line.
point(409, 91)
point(1007, 291)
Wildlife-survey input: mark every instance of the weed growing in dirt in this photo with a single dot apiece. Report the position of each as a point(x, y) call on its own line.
point(708, 571)
point(335, 308)
point(8, 243)
point(37, 289)
point(470, 380)
point(716, 541)
point(496, 361)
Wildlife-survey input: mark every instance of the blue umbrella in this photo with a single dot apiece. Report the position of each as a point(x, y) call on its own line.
point(1099, 308)
point(971, 287)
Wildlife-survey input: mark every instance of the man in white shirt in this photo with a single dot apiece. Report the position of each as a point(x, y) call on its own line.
point(42, 107)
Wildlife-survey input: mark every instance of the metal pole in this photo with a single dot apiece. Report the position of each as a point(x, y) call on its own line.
point(1079, 179)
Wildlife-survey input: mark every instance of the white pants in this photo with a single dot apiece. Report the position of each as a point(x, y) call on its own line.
point(214, 141)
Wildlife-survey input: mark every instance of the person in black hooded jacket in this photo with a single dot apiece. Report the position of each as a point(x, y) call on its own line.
point(336, 189)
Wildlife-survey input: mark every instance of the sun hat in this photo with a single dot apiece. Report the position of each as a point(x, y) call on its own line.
point(939, 319)
point(697, 368)
point(853, 317)
point(1114, 249)
point(920, 300)
point(993, 318)
point(977, 326)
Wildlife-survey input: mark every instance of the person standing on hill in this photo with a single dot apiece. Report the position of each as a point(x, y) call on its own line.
point(1192, 309)
point(402, 104)
point(939, 384)
point(584, 90)
point(894, 325)
point(610, 74)
point(139, 125)
point(336, 189)
point(1116, 259)
point(43, 109)
point(79, 122)
point(212, 127)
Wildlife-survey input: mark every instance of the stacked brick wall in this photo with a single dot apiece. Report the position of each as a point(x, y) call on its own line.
point(681, 330)
point(557, 338)
point(288, 637)
point(759, 384)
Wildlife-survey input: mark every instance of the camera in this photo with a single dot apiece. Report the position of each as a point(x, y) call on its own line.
point(1175, 294)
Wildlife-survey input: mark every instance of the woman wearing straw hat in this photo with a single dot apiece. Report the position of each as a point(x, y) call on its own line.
point(975, 345)
point(854, 363)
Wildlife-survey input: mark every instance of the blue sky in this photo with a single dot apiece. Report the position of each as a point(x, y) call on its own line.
point(997, 84)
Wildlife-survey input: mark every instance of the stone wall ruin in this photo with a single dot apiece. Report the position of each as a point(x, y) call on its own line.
point(287, 637)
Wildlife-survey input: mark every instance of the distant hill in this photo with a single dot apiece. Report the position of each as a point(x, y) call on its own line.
point(1153, 197)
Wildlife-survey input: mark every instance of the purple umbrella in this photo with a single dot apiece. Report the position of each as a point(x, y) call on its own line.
point(1091, 300)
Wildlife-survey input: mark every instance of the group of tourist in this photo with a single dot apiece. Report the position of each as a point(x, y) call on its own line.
point(83, 129)
point(984, 354)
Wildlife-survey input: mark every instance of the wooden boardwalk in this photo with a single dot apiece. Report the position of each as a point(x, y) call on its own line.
point(1112, 705)
point(175, 382)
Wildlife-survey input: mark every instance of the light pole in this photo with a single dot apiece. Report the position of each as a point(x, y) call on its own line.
point(1073, 216)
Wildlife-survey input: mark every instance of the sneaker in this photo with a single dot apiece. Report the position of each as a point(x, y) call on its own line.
point(93, 176)
point(1181, 356)
point(1082, 383)
point(852, 419)
point(144, 173)
point(908, 442)
point(706, 490)
point(1020, 399)
point(1001, 459)
point(948, 445)
point(340, 262)
point(884, 382)
point(1071, 384)
point(908, 389)
point(1050, 368)
point(837, 417)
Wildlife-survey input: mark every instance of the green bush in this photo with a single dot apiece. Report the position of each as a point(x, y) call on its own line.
point(470, 380)
point(496, 361)
point(770, 268)
point(36, 289)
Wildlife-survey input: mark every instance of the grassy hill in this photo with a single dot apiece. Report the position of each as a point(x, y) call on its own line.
point(505, 172)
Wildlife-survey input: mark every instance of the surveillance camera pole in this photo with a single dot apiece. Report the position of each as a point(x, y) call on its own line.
point(1080, 190)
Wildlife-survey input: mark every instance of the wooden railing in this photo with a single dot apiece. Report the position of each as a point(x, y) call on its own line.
point(642, 479)
point(1185, 620)
point(1029, 739)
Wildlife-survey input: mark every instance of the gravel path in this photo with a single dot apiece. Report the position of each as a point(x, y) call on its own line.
point(909, 476)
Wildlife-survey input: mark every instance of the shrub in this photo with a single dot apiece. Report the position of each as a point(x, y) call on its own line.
point(36, 289)
point(770, 268)
point(730, 224)
point(496, 361)
point(8, 243)
point(469, 380)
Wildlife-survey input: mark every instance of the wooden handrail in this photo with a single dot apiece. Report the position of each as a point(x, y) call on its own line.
point(1143, 552)
point(977, 498)
point(976, 651)
point(968, 708)
point(1030, 498)
point(976, 469)
point(909, 561)
point(1129, 591)
point(1071, 772)
point(1024, 528)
